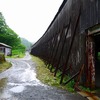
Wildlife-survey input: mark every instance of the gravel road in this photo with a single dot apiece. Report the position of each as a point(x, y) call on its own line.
point(20, 83)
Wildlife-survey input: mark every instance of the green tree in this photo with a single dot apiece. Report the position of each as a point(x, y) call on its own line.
point(9, 37)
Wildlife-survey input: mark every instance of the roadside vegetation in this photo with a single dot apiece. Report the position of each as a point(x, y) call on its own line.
point(45, 76)
point(18, 53)
point(4, 66)
point(3, 63)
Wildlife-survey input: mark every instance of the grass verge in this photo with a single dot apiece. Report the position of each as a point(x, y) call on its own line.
point(4, 66)
point(45, 76)
point(16, 55)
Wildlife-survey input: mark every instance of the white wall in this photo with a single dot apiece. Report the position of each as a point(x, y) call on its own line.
point(7, 51)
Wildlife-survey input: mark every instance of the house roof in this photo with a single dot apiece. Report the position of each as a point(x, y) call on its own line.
point(5, 45)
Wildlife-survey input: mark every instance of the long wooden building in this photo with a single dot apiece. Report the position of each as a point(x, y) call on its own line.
point(71, 42)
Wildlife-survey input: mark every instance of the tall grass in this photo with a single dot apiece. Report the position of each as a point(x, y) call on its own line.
point(45, 76)
point(18, 53)
point(4, 66)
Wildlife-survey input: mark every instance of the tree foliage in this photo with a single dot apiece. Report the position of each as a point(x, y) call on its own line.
point(8, 36)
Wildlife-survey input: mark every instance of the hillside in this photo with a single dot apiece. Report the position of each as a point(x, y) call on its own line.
point(26, 43)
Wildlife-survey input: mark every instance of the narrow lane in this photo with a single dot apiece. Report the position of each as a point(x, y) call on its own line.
point(20, 83)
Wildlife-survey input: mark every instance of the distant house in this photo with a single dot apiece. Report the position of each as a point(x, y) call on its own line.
point(6, 49)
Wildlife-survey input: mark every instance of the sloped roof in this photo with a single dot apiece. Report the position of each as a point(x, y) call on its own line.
point(5, 45)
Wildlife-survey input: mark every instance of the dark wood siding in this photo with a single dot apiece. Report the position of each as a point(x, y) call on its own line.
point(64, 42)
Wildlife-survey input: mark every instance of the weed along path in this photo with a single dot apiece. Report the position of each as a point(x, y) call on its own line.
point(20, 83)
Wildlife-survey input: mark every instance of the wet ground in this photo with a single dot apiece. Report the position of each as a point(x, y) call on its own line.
point(20, 83)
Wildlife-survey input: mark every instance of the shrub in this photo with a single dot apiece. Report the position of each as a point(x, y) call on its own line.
point(2, 57)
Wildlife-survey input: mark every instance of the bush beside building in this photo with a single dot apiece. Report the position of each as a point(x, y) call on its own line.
point(2, 58)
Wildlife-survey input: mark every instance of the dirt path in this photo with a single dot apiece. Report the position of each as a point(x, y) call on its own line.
point(20, 83)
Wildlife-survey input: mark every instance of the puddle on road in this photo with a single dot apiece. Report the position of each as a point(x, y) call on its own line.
point(28, 75)
point(3, 84)
point(17, 89)
point(18, 78)
point(5, 96)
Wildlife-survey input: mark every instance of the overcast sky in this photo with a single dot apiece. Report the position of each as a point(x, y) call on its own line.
point(29, 18)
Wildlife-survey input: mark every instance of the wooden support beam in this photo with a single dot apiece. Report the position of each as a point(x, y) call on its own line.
point(72, 77)
point(69, 51)
point(62, 48)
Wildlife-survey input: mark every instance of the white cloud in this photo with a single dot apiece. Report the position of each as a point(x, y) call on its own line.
point(29, 18)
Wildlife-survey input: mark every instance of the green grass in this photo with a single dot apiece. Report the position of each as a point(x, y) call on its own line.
point(85, 88)
point(17, 54)
point(45, 76)
point(4, 66)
